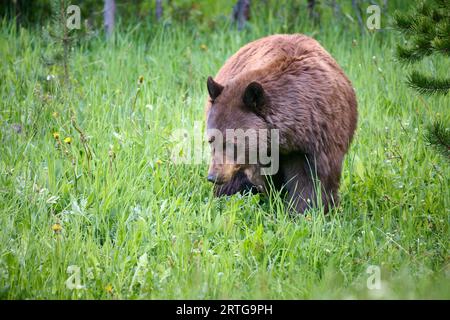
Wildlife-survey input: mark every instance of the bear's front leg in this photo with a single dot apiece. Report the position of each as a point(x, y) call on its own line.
point(301, 183)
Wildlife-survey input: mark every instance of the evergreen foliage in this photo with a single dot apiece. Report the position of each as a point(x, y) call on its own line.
point(59, 39)
point(439, 137)
point(427, 29)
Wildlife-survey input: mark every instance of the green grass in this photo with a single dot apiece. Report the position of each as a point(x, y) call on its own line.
point(146, 228)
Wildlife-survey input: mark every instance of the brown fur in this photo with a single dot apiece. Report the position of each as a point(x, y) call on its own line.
point(306, 96)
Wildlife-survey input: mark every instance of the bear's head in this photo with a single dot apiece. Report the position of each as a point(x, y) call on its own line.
point(236, 126)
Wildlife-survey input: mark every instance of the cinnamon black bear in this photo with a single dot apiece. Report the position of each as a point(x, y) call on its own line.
point(289, 83)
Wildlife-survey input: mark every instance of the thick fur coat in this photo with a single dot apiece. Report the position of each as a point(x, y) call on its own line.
point(290, 83)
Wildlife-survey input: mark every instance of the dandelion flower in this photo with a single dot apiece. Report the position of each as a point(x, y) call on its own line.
point(55, 114)
point(68, 140)
point(158, 162)
point(56, 135)
point(56, 228)
point(109, 288)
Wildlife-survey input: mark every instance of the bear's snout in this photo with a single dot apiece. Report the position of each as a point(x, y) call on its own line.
point(214, 179)
point(221, 173)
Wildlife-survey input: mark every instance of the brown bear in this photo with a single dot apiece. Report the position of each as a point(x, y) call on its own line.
point(292, 84)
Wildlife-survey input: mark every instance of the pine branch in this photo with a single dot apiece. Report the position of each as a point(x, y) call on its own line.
point(444, 5)
point(428, 28)
point(428, 85)
point(425, 9)
point(441, 45)
point(404, 22)
point(438, 135)
point(409, 55)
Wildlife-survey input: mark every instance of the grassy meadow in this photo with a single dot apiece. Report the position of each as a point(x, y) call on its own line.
point(110, 216)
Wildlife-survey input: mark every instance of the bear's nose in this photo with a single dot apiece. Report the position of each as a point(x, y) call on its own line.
point(212, 178)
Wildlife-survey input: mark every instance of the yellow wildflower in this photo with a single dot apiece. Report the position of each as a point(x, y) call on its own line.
point(56, 135)
point(56, 228)
point(68, 140)
point(204, 47)
point(55, 114)
point(109, 288)
point(158, 162)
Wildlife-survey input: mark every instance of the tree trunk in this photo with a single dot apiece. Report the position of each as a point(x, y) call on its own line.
point(18, 12)
point(108, 15)
point(159, 10)
point(313, 14)
point(357, 8)
point(336, 8)
point(241, 13)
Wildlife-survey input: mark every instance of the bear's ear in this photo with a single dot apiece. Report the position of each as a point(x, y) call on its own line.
point(254, 97)
point(214, 89)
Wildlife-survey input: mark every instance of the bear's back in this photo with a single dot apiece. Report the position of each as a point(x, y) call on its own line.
point(262, 52)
